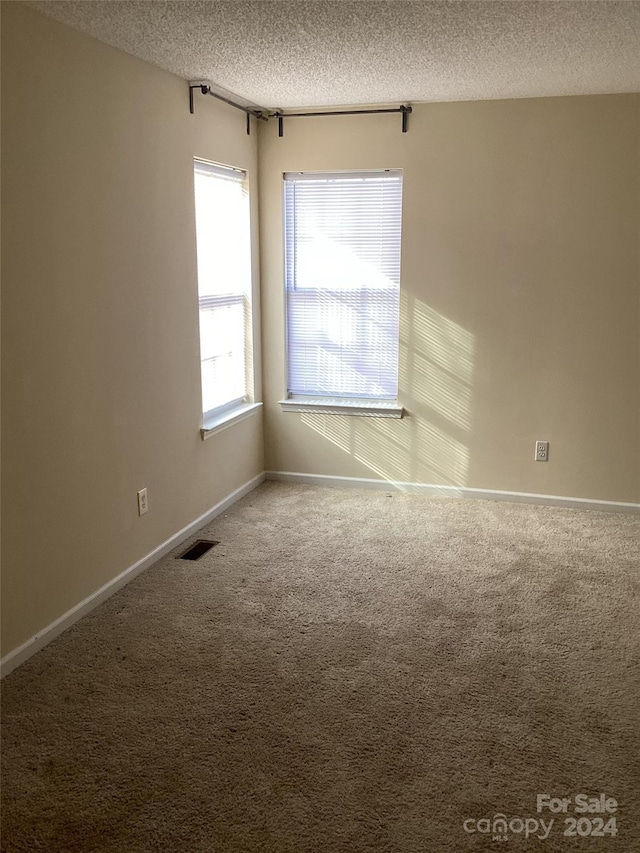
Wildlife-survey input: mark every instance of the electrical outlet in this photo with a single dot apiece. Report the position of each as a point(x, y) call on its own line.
point(143, 506)
point(542, 451)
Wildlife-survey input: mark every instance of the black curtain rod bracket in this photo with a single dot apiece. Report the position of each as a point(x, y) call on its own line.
point(405, 117)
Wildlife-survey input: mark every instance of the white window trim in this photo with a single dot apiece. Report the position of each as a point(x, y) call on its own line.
point(218, 422)
point(220, 418)
point(343, 406)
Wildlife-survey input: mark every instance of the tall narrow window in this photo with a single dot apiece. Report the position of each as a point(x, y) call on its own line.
point(342, 244)
point(224, 286)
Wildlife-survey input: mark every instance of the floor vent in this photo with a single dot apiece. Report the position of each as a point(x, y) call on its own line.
point(198, 549)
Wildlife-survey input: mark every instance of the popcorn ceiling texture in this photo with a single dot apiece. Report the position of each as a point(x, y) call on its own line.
point(302, 54)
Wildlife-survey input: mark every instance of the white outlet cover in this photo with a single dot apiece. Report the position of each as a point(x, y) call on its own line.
point(542, 451)
point(143, 505)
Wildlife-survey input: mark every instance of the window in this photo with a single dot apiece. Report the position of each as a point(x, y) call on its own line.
point(224, 289)
point(342, 276)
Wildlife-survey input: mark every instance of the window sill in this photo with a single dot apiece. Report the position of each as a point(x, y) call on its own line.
point(336, 406)
point(220, 422)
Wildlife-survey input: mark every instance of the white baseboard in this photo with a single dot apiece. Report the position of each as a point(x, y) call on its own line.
point(451, 491)
point(19, 655)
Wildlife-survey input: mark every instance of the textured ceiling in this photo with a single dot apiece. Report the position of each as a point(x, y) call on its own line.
point(303, 54)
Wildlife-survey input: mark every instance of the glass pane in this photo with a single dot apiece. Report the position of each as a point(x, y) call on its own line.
point(222, 351)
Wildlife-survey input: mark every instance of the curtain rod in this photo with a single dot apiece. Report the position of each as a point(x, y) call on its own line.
point(265, 114)
point(405, 109)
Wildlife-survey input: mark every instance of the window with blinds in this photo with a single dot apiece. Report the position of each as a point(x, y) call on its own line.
point(224, 285)
point(342, 261)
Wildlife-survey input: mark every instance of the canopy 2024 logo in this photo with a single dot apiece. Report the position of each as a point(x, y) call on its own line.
point(603, 824)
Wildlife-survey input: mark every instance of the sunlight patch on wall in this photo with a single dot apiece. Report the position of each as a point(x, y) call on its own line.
point(437, 338)
point(334, 428)
point(438, 388)
point(384, 447)
point(436, 361)
point(438, 457)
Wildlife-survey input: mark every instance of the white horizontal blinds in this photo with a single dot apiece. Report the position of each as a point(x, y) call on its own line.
point(342, 235)
point(224, 280)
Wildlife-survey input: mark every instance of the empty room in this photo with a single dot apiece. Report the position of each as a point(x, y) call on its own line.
point(320, 426)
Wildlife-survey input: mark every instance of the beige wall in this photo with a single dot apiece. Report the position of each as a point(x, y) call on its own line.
point(520, 296)
point(101, 392)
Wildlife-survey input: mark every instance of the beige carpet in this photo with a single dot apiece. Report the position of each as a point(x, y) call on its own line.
point(347, 671)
